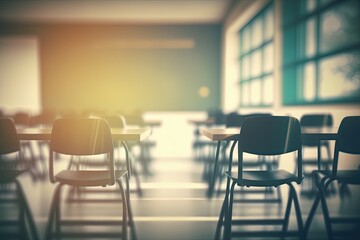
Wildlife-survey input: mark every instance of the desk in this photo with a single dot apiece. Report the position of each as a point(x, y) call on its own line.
point(228, 134)
point(197, 122)
point(121, 134)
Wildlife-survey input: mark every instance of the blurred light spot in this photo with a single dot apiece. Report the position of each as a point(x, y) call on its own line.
point(204, 91)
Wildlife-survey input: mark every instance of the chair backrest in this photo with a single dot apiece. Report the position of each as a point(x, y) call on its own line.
point(9, 141)
point(81, 136)
point(236, 120)
point(218, 116)
point(115, 121)
point(45, 118)
point(316, 120)
point(21, 118)
point(347, 139)
point(270, 135)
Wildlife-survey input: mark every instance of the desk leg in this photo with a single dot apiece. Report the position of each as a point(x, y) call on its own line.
point(213, 178)
point(319, 155)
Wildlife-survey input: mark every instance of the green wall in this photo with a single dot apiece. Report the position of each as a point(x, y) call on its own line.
point(127, 67)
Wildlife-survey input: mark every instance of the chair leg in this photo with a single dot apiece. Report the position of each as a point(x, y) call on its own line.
point(220, 222)
point(224, 208)
point(27, 213)
point(325, 209)
point(21, 214)
point(52, 212)
point(130, 214)
point(314, 206)
point(125, 210)
point(298, 213)
point(228, 214)
point(287, 214)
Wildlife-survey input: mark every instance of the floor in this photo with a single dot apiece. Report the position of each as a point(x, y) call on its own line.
point(173, 205)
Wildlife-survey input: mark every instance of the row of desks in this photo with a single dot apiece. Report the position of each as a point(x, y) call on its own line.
point(121, 134)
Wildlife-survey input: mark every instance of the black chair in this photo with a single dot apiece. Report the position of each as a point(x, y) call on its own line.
point(235, 120)
point(265, 136)
point(119, 121)
point(85, 137)
point(315, 121)
point(10, 169)
point(347, 141)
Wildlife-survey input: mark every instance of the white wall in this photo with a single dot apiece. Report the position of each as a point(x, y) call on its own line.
point(19, 74)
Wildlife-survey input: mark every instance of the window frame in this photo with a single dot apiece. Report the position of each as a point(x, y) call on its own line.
point(248, 53)
point(294, 68)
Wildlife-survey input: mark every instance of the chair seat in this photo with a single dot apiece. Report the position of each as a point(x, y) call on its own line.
point(7, 176)
point(87, 178)
point(345, 176)
point(263, 178)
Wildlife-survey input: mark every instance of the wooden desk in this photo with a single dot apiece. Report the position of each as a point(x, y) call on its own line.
point(228, 134)
point(197, 122)
point(152, 123)
point(122, 134)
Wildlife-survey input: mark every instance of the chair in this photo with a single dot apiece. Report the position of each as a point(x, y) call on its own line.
point(9, 172)
point(85, 137)
point(265, 136)
point(118, 121)
point(316, 121)
point(348, 142)
point(234, 120)
point(22, 120)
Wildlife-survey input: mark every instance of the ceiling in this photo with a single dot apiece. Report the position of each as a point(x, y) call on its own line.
point(115, 11)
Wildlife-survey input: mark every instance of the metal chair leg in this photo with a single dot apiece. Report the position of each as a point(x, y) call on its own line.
point(287, 213)
point(298, 213)
point(125, 209)
point(228, 214)
point(52, 212)
point(325, 209)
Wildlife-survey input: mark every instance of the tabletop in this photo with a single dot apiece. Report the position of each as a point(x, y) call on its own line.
point(208, 121)
point(124, 134)
point(223, 134)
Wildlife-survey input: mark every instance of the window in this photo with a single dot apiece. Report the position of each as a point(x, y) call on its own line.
point(257, 60)
point(321, 52)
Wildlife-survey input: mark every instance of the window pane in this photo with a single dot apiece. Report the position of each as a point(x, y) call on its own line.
point(256, 32)
point(269, 24)
point(310, 44)
point(255, 63)
point(340, 26)
point(323, 2)
point(245, 92)
point(245, 40)
point(340, 76)
point(268, 92)
point(255, 92)
point(245, 68)
point(268, 58)
point(309, 88)
point(310, 5)
point(289, 51)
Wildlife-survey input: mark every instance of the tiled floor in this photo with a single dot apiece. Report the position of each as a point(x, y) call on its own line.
point(173, 205)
